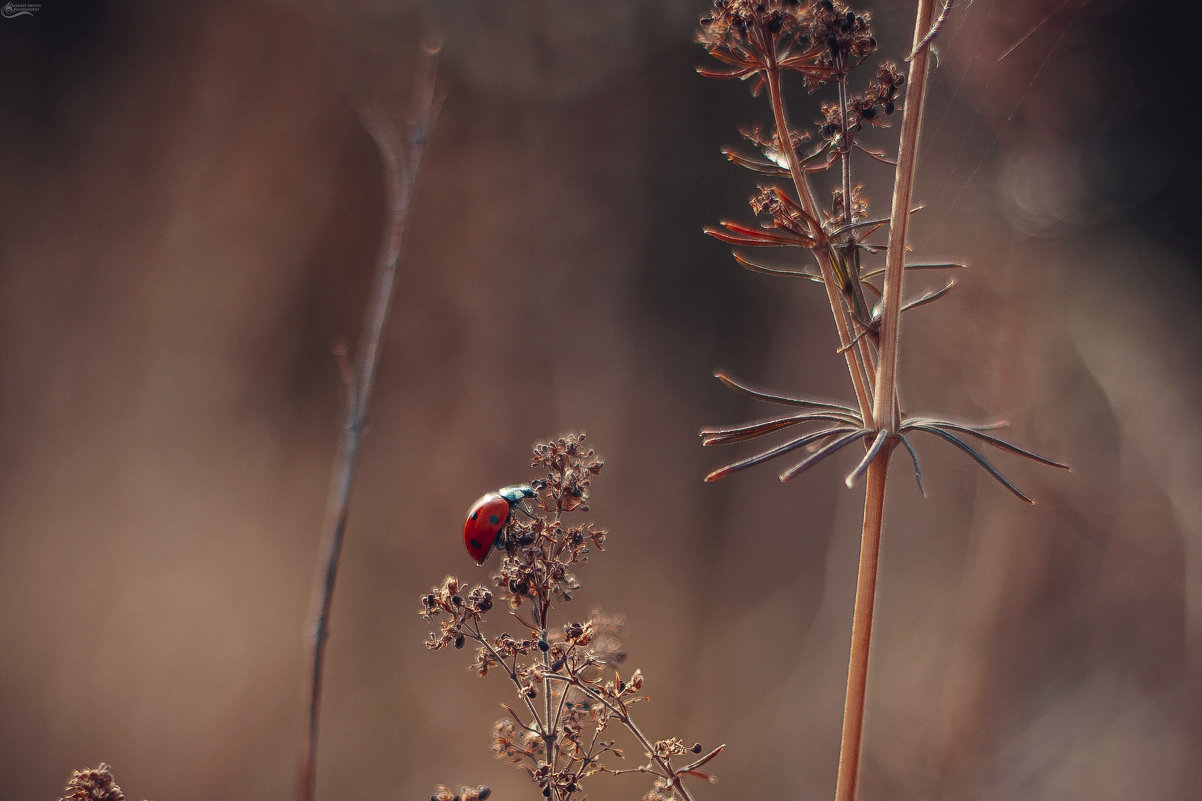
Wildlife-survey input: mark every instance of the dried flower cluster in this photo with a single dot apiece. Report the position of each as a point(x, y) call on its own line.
point(444, 793)
point(823, 41)
point(571, 697)
point(93, 784)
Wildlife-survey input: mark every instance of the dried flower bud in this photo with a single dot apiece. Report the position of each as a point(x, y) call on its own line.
point(93, 784)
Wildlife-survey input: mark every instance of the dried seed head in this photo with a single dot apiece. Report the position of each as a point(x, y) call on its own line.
point(859, 205)
point(93, 784)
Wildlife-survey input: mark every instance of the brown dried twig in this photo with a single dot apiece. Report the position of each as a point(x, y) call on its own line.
point(402, 156)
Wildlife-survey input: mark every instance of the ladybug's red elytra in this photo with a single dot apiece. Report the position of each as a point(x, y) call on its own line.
point(488, 518)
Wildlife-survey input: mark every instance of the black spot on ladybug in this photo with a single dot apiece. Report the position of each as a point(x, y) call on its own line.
point(474, 543)
point(473, 517)
point(494, 519)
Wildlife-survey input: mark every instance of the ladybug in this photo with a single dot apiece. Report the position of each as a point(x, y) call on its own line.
point(488, 517)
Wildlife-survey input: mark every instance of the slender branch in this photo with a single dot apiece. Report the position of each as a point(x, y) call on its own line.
point(542, 606)
point(511, 671)
point(401, 170)
point(855, 366)
point(899, 224)
point(844, 151)
point(618, 710)
point(885, 411)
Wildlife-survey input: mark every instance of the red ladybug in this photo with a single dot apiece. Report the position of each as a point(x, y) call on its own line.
point(488, 517)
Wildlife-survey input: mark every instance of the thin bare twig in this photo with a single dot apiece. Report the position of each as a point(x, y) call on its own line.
point(402, 157)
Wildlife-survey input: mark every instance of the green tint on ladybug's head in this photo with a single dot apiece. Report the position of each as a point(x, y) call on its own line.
point(517, 493)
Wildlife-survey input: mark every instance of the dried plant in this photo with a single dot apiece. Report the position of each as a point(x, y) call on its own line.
point(823, 42)
point(402, 154)
point(571, 696)
point(93, 784)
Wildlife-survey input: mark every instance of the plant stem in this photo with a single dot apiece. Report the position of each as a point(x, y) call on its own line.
point(885, 411)
point(480, 638)
point(619, 711)
point(899, 219)
point(861, 628)
point(855, 366)
point(550, 729)
point(401, 177)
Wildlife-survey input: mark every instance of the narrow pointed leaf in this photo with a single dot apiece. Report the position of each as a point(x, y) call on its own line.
point(979, 433)
point(752, 242)
point(929, 297)
point(729, 59)
point(820, 159)
point(823, 452)
point(871, 231)
point(785, 447)
point(941, 266)
point(825, 149)
point(881, 437)
point(762, 166)
point(809, 54)
point(932, 421)
point(877, 155)
point(854, 340)
point(724, 75)
point(763, 394)
point(938, 265)
point(766, 270)
point(757, 237)
point(978, 458)
point(842, 229)
point(914, 459)
point(722, 435)
point(694, 765)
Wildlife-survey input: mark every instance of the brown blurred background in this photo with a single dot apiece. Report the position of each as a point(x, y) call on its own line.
point(190, 212)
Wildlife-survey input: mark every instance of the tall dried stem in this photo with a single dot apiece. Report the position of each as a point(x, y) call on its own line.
point(884, 410)
point(400, 169)
point(822, 41)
